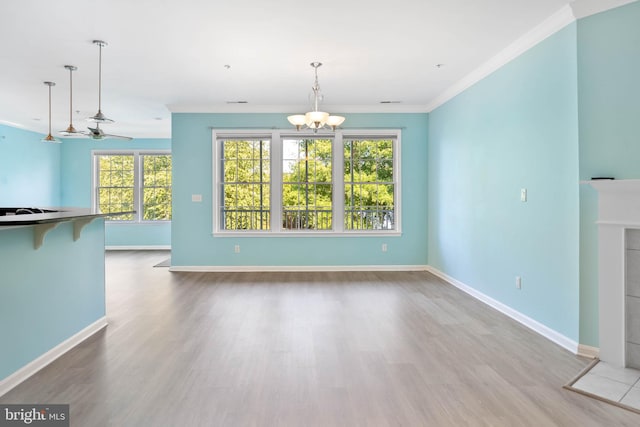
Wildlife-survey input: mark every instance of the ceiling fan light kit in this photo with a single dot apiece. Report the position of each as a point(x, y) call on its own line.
point(98, 134)
point(315, 119)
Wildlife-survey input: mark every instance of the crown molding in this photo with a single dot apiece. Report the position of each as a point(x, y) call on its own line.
point(290, 109)
point(569, 13)
point(549, 26)
point(583, 8)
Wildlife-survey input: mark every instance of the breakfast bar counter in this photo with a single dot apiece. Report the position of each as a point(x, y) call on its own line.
point(31, 215)
point(45, 219)
point(52, 293)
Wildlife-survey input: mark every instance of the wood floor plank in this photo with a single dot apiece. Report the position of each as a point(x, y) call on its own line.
point(308, 349)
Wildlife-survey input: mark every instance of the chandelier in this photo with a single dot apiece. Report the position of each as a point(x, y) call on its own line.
point(315, 119)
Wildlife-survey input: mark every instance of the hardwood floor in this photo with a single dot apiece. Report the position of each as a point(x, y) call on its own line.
point(308, 349)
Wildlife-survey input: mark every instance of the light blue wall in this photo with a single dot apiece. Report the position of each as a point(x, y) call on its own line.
point(29, 169)
point(517, 128)
point(42, 307)
point(194, 245)
point(33, 173)
point(76, 163)
point(157, 235)
point(609, 106)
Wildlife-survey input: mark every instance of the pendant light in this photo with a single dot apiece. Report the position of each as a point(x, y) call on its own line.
point(315, 119)
point(49, 137)
point(99, 117)
point(71, 131)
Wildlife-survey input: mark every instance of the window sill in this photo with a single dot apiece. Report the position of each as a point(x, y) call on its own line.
point(139, 222)
point(297, 234)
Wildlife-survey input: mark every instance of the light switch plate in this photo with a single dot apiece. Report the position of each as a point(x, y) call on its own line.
point(523, 194)
point(196, 197)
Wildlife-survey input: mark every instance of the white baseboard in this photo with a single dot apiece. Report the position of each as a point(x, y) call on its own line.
point(139, 248)
point(588, 351)
point(285, 268)
point(34, 366)
point(530, 323)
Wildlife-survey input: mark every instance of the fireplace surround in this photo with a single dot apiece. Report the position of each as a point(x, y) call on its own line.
point(619, 271)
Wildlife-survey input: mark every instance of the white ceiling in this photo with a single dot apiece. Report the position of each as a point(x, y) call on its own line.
point(170, 55)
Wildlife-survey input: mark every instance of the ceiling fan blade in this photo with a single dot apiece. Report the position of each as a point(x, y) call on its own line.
point(97, 133)
point(127, 138)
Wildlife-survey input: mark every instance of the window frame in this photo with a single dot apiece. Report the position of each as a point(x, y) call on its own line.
point(218, 185)
point(276, 180)
point(331, 183)
point(138, 187)
point(377, 183)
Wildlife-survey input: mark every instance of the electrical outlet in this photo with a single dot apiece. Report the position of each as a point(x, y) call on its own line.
point(236, 249)
point(384, 247)
point(518, 282)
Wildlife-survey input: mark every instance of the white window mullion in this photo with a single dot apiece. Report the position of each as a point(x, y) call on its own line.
point(276, 182)
point(95, 183)
point(216, 150)
point(397, 182)
point(338, 183)
point(137, 185)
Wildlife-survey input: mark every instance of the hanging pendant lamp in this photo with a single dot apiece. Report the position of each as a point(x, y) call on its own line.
point(315, 119)
point(49, 137)
point(99, 117)
point(71, 131)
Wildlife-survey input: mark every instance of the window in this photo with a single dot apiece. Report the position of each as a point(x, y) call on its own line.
point(245, 187)
point(115, 192)
point(133, 181)
point(307, 190)
point(296, 183)
point(368, 184)
point(156, 187)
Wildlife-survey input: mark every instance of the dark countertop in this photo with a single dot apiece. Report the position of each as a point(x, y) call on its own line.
point(53, 214)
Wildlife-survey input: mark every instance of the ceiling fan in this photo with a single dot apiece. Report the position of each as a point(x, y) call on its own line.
point(99, 117)
point(98, 134)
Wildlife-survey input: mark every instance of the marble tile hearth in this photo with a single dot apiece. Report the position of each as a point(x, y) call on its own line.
point(610, 383)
